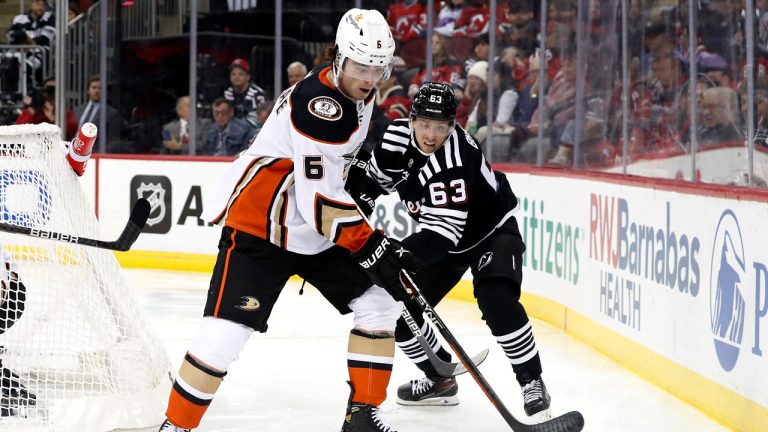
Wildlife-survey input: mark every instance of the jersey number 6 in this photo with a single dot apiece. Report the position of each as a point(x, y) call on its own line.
point(313, 167)
point(456, 191)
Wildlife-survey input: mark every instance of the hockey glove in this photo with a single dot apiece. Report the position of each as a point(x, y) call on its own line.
point(357, 172)
point(383, 258)
point(366, 204)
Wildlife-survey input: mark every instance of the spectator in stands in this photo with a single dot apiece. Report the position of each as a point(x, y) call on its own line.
point(505, 104)
point(760, 111)
point(522, 30)
point(407, 19)
point(559, 109)
point(42, 109)
point(176, 133)
point(90, 112)
point(445, 68)
point(715, 67)
point(263, 111)
point(529, 90)
point(683, 104)
point(655, 115)
point(36, 27)
point(657, 33)
point(477, 115)
point(244, 95)
point(560, 96)
point(475, 19)
point(593, 131)
point(73, 12)
point(479, 52)
point(448, 16)
point(476, 78)
point(560, 44)
point(230, 135)
point(720, 28)
point(391, 103)
point(720, 117)
point(391, 97)
point(296, 72)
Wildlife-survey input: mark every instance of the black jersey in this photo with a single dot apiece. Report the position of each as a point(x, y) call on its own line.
point(39, 30)
point(453, 193)
point(246, 103)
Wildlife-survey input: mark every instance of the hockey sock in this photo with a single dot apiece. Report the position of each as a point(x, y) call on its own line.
point(508, 321)
point(520, 348)
point(407, 342)
point(192, 392)
point(369, 359)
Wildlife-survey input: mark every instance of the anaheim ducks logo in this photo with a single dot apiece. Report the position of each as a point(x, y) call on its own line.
point(325, 108)
point(249, 304)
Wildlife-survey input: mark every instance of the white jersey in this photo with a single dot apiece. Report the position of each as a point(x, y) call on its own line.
point(288, 187)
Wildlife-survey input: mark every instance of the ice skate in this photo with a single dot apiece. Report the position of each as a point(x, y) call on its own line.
point(364, 418)
point(536, 399)
point(170, 427)
point(435, 391)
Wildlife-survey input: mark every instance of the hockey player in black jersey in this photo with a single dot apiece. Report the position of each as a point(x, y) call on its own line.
point(465, 212)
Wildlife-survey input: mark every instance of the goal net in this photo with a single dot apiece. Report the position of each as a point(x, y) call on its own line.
point(75, 354)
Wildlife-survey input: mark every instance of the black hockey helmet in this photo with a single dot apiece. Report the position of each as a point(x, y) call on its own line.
point(435, 101)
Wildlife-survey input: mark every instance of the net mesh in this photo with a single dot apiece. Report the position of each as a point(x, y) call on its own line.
point(74, 350)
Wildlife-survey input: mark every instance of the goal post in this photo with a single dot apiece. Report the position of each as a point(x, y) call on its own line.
point(75, 353)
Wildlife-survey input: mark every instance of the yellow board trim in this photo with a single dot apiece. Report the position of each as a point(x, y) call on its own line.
point(718, 402)
point(166, 260)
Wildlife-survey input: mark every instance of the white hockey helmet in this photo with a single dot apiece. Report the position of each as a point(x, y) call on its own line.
point(363, 36)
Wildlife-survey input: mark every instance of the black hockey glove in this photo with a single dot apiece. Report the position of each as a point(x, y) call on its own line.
point(383, 258)
point(357, 172)
point(366, 204)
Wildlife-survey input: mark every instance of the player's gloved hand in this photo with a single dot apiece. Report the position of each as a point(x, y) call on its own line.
point(383, 258)
point(366, 204)
point(357, 172)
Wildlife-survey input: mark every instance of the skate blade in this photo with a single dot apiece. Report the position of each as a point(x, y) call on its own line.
point(542, 416)
point(436, 401)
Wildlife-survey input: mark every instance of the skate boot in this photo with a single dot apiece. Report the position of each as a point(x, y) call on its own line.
point(429, 391)
point(536, 398)
point(364, 418)
point(170, 427)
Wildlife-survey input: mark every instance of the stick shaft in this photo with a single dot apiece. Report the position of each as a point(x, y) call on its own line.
point(463, 357)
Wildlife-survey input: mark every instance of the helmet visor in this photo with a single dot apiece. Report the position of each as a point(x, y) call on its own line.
point(371, 73)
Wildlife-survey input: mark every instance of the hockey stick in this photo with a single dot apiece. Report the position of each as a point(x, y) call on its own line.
point(444, 369)
point(130, 233)
point(569, 422)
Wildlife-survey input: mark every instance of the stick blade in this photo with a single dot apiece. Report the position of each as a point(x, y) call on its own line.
point(140, 213)
point(568, 422)
point(477, 360)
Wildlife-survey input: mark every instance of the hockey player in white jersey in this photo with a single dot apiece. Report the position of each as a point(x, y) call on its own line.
point(465, 211)
point(285, 211)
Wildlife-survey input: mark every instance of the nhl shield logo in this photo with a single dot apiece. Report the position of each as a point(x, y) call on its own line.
point(155, 194)
point(158, 191)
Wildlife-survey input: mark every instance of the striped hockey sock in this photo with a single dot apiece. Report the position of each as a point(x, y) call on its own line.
point(369, 359)
point(415, 352)
point(192, 392)
point(520, 348)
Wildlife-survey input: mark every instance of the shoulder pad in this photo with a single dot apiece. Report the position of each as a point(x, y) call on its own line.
point(322, 113)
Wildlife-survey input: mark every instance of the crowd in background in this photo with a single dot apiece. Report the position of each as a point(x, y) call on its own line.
point(659, 115)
